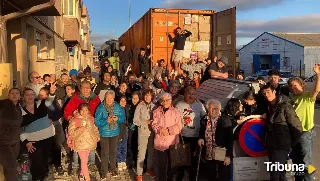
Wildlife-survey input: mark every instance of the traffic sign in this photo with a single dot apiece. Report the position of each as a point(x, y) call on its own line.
point(252, 136)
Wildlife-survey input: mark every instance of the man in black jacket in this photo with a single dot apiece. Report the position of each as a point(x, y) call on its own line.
point(281, 89)
point(179, 41)
point(125, 57)
point(10, 130)
point(144, 61)
point(105, 85)
point(283, 129)
point(61, 86)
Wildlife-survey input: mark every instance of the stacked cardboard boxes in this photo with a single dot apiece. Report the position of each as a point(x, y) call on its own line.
point(200, 27)
point(204, 28)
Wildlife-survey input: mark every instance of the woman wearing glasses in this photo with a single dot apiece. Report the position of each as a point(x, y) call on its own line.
point(167, 126)
point(216, 131)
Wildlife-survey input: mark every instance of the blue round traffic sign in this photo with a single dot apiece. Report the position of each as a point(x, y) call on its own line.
point(251, 137)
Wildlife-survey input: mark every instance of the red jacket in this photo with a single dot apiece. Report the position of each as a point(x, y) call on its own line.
point(76, 100)
point(164, 85)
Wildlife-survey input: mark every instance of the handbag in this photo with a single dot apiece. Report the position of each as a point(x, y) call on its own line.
point(219, 153)
point(180, 154)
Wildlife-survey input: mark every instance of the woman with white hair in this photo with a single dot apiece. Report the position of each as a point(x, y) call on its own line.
point(108, 118)
point(167, 126)
point(216, 131)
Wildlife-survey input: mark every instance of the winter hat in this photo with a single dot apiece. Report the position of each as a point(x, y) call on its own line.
point(224, 60)
point(73, 72)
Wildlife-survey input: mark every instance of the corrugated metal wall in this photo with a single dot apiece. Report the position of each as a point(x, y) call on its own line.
point(311, 57)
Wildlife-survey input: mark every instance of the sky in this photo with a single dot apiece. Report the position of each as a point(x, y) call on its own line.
point(110, 18)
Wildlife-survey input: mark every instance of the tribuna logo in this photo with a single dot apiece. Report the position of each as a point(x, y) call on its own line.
point(274, 167)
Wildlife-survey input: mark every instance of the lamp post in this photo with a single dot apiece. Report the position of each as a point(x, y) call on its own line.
point(129, 13)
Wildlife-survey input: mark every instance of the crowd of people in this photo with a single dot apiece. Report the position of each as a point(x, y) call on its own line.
point(131, 121)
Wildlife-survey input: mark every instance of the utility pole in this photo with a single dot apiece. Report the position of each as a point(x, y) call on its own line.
point(129, 13)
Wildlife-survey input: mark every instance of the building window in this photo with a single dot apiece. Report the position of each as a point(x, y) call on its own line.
point(38, 43)
point(69, 7)
point(50, 47)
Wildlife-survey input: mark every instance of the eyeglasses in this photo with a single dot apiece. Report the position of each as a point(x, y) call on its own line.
point(167, 100)
point(36, 77)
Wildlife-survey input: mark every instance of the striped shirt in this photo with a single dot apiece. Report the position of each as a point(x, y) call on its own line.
point(37, 126)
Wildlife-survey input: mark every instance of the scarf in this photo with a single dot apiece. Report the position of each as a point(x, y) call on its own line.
point(113, 125)
point(210, 138)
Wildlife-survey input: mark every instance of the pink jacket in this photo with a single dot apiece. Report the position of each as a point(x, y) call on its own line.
point(171, 120)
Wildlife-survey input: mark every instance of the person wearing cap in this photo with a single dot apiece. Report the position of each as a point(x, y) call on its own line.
point(216, 70)
point(125, 57)
point(74, 78)
point(179, 42)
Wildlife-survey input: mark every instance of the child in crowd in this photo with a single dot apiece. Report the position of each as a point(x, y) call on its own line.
point(123, 137)
point(196, 78)
point(83, 136)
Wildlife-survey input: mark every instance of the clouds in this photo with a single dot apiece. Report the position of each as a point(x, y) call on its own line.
point(98, 39)
point(252, 28)
point(241, 5)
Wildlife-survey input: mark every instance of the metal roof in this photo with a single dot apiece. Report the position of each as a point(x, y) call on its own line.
point(304, 39)
point(300, 39)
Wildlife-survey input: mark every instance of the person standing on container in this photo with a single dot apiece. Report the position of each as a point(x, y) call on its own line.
point(144, 61)
point(179, 41)
point(125, 59)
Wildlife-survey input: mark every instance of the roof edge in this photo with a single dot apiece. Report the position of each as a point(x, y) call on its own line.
point(271, 33)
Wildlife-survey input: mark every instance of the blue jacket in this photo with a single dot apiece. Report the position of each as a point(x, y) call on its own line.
point(102, 123)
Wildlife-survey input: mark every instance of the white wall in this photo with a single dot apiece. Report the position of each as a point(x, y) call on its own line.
point(311, 57)
point(268, 44)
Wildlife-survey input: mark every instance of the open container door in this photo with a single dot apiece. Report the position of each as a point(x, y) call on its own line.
point(224, 36)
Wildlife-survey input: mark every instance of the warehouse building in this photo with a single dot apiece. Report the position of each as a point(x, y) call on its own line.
point(295, 52)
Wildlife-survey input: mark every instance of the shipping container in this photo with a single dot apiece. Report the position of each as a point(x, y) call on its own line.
point(213, 34)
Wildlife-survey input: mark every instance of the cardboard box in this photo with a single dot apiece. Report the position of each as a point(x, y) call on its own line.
point(204, 28)
point(195, 18)
point(204, 36)
point(195, 32)
point(187, 49)
point(203, 55)
point(204, 19)
point(250, 169)
point(202, 46)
